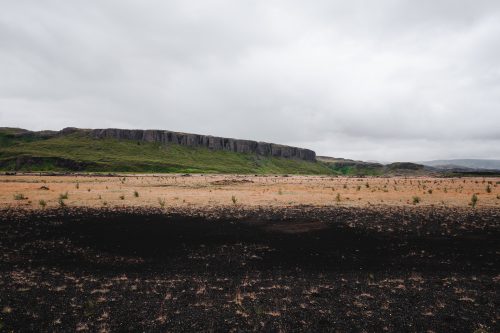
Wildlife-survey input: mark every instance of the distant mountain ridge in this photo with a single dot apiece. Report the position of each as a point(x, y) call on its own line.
point(464, 163)
point(353, 167)
point(124, 150)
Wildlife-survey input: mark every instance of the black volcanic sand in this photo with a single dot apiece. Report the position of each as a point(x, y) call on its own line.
point(237, 269)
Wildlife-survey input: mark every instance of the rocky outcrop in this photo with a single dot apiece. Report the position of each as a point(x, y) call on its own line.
point(197, 140)
point(185, 139)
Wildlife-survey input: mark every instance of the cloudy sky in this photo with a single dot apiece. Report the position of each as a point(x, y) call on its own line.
point(375, 80)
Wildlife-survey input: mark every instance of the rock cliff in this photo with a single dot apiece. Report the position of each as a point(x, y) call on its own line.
point(197, 140)
point(210, 142)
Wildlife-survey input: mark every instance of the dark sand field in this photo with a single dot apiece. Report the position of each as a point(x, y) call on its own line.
point(238, 268)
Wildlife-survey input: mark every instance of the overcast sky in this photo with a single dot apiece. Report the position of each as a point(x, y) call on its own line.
point(373, 80)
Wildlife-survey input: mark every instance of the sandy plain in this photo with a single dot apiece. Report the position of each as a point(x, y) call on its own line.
point(242, 190)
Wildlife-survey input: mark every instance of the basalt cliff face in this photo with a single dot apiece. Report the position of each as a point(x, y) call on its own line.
point(197, 140)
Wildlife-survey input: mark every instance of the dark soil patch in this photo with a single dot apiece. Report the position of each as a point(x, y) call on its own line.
point(302, 269)
point(231, 181)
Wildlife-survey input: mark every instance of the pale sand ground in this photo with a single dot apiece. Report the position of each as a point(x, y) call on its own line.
point(217, 190)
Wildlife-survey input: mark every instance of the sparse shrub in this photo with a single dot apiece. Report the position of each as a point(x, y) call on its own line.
point(19, 196)
point(77, 185)
point(337, 198)
point(61, 202)
point(42, 203)
point(367, 185)
point(473, 201)
point(161, 201)
point(429, 191)
point(63, 196)
point(488, 189)
point(136, 194)
point(122, 197)
point(416, 200)
point(345, 185)
point(234, 200)
point(358, 188)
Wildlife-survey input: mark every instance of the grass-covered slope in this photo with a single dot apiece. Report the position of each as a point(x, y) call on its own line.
point(81, 153)
point(360, 168)
point(349, 167)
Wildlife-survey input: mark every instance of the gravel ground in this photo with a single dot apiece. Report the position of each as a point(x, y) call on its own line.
point(306, 268)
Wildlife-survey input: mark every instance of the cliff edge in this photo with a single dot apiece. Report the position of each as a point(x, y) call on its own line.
point(188, 139)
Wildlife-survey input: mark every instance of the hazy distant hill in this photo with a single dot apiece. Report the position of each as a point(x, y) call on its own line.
point(353, 168)
point(464, 163)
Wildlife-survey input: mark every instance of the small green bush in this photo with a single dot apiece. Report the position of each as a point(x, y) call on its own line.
point(473, 201)
point(19, 196)
point(416, 200)
point(234, 200)
point(42, 203)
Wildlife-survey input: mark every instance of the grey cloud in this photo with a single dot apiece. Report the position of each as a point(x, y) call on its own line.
point(387, 80)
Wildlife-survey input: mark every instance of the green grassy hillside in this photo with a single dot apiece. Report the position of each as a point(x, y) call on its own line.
point(349, 167)
point(356, 170)
point(81, 153)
